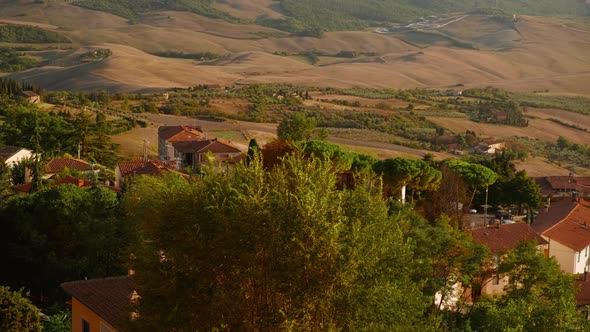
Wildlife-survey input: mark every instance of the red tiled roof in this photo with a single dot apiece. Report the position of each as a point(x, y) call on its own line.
point(29, 93)
point(554, 183)
point(23, 188)
point(190, 147)
point(180, 134)
point(26, 187)
point(553, 214)
point(544, 185)
point(561, 182)
point(574, 231)
point(108, 297)
point(214, 145)
point(219, 146)
point(57, 165)
point(141, 168)
point(505, 237)
point(239, 158)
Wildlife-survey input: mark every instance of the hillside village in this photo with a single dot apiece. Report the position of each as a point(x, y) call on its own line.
point(294, 165)
point(560, 227)
point(467, 188)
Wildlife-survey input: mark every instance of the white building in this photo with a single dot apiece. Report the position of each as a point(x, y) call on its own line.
point(569, 240)
point(12, 155)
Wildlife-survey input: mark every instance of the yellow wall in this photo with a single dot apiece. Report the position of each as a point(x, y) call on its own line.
point(80, 312)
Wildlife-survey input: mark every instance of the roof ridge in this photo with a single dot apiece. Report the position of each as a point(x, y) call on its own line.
point(562, 220)
point(75, 282)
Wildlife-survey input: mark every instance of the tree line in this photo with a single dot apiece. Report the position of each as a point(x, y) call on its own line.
point(10, 33)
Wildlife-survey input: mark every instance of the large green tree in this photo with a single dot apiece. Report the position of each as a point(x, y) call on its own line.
point(475, 176)
point(298, 127)
point(59, 234)
point(270, 250)
point(414, 173)
point(539, 296)
point(522, 191)
point(447, 262)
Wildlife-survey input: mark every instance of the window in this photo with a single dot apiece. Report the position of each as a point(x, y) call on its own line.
point(579, 252)
point(496, 280)
point(586, 252)
point(85, 326)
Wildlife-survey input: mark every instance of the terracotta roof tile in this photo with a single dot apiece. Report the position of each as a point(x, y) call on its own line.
point(214, 145)
point(190, 147)
point(108, 297)
point(553, 214)
point(26, 187)
point(574, 231)
point(140, 167)
point(219, 146)
point(180, 133)
point(550, 184)
point(57, 165)
point(505, 237)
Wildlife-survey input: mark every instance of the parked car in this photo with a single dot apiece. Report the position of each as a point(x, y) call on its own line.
point(502, 214)
point(473, 211)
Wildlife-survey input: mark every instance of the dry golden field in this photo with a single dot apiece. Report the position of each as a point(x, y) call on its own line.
point(541, 54)
point(538, 128)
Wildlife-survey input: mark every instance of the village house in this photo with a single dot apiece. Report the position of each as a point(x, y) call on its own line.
point(31, 97)
point(100, 305)
point(169, 136)
point(151, 167)
point(25, 188)
point(203, 152)
point(568, 235)
point(560, 186)
point(499, 239)
point(59, 165)
point(12, 155)
point(189, 147)
point(490, 148)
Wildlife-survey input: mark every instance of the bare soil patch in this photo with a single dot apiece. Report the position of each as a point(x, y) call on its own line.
point(538, 128)
point(572, 118)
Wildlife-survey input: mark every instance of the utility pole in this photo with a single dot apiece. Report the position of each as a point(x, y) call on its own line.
point(485, 208)
point(145, 154)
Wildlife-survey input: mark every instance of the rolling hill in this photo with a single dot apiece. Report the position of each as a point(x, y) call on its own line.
point(532, 53)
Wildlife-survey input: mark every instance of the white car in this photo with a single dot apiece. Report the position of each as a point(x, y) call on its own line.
point(473, 211)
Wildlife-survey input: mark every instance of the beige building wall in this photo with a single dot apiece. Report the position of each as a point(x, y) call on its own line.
point(81, 313)
point(565, 256)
